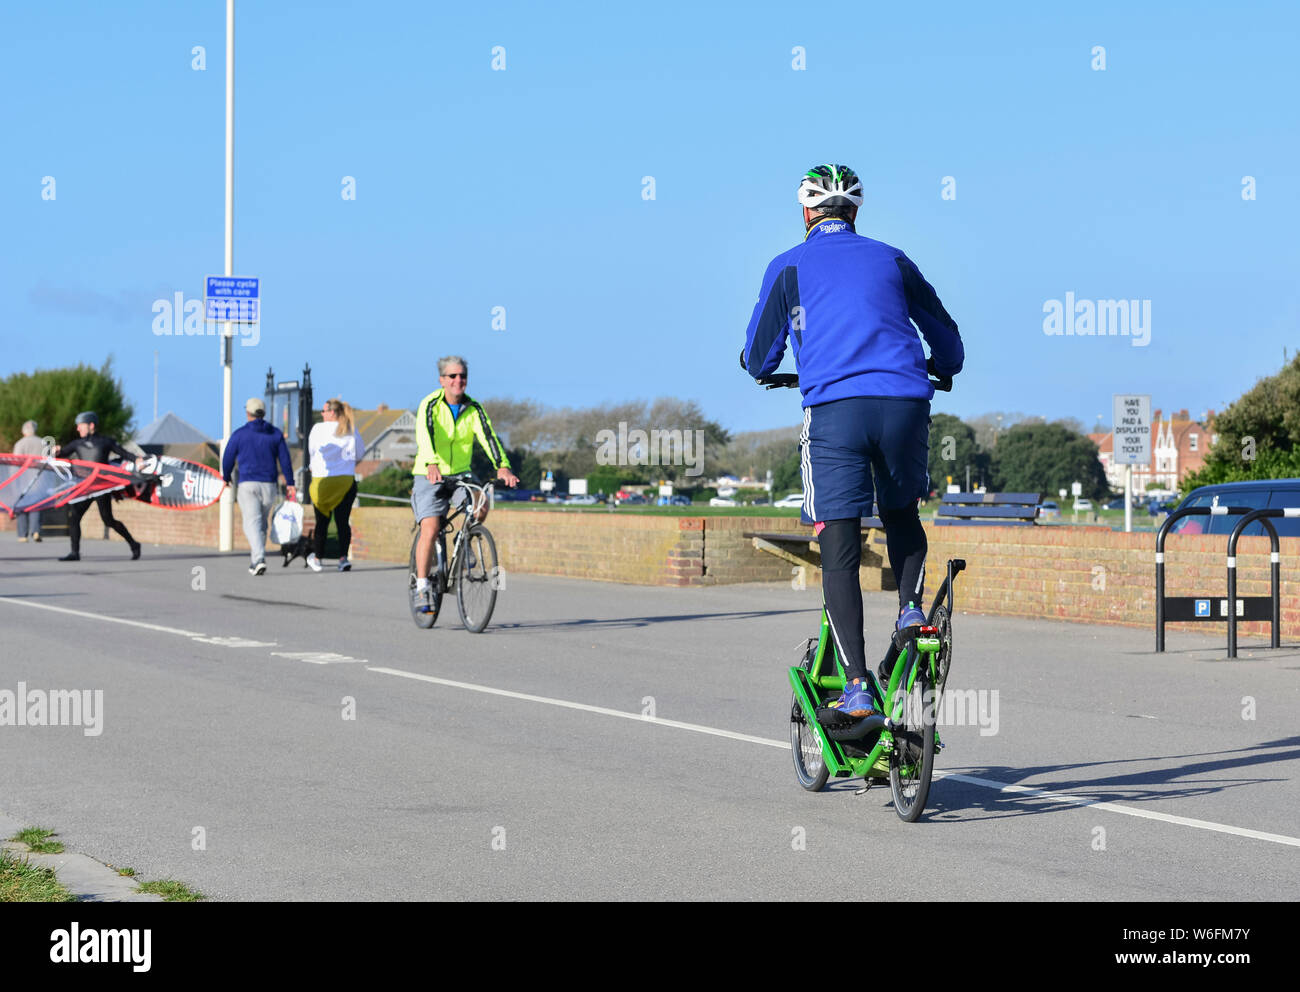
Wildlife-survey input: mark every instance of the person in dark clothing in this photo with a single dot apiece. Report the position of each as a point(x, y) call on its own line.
point(258, 449)
point(92, 447)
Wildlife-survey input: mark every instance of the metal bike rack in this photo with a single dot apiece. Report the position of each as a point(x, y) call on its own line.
point(1200, 608)
point(1275, 567)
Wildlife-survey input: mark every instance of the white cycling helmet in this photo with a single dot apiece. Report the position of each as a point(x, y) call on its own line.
point(830, 184)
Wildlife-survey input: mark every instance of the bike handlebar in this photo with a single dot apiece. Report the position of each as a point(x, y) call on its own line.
point(790, 380)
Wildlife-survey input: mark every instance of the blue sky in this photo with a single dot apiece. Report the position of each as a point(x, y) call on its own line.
point(522, 189)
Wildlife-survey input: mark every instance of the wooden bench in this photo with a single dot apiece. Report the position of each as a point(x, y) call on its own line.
point(988, 509)
point(802, 549)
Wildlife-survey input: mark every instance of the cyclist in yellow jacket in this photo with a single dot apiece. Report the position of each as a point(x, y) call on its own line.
point(447, 423)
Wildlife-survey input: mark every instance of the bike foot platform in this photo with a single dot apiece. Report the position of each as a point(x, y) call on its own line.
point(838, 727)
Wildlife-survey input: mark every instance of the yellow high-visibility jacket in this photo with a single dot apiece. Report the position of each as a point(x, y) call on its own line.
point(449, 443)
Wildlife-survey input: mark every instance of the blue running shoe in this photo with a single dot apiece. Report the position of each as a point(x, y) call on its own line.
point(910, 617)
point(857, 700)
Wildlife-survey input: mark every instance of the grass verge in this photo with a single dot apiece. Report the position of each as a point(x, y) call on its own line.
point(38, 839)
point(21, 881)
point(172, 890)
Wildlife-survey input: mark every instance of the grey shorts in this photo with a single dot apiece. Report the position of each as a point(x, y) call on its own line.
point(429, 500)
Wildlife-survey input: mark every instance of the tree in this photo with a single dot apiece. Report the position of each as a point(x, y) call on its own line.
point(787, 476)
point(1259, 435)
point(988, 426)
point(1044, 458)
point(522, 462)
point(54, 397)
point(952, 448)
point(567, 440)
point(391, 480)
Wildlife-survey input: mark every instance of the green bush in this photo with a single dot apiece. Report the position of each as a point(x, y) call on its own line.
point(54, 397)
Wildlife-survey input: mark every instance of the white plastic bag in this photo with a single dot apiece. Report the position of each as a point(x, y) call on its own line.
point(286, 524)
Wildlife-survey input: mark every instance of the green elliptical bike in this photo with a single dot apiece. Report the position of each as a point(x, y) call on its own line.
point(900, 742)
point(899, 745)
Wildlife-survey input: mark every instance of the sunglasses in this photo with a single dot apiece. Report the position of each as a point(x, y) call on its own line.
point(454, 375)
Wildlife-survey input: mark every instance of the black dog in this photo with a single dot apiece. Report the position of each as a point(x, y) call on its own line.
point(300, 548)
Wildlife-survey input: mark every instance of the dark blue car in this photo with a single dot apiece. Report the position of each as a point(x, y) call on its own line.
point(1255, 495)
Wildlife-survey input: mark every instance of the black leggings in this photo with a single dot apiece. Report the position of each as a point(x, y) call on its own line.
point(341, 514)
point(78, 510)
point(841, 550)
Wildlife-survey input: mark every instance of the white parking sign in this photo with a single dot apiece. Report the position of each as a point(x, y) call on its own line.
point(1132, 419)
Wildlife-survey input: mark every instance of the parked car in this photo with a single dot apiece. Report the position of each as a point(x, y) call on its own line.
point(1255, 495)
point(680, 500)
point(1049, 511)
point(721, 501)
point(582, 501)
point(1117, 504)
point(759, 501)
point(634, 499)
point(794, 499)
point(1082, 505)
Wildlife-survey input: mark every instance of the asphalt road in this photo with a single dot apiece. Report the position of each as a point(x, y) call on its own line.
point(519, 763)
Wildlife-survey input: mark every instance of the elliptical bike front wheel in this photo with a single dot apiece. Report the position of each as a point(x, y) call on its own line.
point(912, 761)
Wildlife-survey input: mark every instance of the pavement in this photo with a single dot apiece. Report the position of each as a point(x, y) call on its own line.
point(295, 736)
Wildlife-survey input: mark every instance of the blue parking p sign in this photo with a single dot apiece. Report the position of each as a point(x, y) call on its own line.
point(1202, 607)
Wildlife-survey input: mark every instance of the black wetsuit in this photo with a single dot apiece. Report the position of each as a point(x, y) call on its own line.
point(95, 448)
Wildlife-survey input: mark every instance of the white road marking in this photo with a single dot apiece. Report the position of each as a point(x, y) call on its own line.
point(1002, 787)
point(714, 731)
point(235, 642)
point(318, 657)
point(101, 617)
point(1061, 797)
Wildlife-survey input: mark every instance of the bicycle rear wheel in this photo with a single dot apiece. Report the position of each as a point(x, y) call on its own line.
point(477, 578)
point(422, 620)
point(912, 761)
point(809, 765)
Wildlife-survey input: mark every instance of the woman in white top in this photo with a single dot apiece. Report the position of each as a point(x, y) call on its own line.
point(335, 448)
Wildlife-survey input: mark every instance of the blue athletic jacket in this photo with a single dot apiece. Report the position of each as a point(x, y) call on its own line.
point(846, 300)
point(257, 446)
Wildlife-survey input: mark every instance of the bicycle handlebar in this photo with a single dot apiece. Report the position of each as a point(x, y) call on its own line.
point(790, 380)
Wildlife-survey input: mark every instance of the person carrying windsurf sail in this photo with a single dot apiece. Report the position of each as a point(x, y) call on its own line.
point(92, 447)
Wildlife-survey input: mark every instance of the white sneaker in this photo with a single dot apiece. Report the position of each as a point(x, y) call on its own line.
point(314, 562)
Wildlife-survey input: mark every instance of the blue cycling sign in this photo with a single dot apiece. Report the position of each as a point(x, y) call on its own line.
point(232, 298)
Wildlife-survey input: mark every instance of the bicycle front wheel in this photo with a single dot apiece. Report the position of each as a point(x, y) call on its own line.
point(477, 578)
point(912, 761)
point(422, 620)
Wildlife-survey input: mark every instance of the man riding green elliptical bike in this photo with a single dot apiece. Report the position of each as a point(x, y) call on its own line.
point(447, 423)
point(847, 303)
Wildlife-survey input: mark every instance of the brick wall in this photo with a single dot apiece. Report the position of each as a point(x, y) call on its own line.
point(1075, 573)
point(1096, 574)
